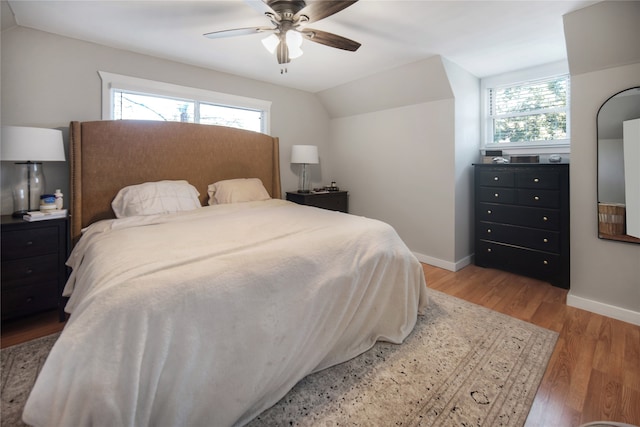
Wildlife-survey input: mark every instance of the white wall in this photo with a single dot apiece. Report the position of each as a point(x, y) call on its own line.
point(466, 90)
point(605, 274)
point(397, 166)
point(49, 80)
point(403, 145)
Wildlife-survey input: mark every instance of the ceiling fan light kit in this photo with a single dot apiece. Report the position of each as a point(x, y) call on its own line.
point(289, 18)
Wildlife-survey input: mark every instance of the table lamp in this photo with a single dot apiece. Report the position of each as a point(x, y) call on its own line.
point(28, 147)
point(304, 155)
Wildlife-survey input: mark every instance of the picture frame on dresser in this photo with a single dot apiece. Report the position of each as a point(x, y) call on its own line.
point(522, 220)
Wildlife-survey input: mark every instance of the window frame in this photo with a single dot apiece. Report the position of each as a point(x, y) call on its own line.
point(112, 82)
point(513, 79)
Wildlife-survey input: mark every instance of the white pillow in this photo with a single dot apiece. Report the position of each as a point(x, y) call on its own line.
point(155, 198)
point(237, 190)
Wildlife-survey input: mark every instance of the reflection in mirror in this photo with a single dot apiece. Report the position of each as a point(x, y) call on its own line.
point(618, 124)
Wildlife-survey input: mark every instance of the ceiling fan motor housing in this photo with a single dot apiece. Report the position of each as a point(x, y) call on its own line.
point(286, 8)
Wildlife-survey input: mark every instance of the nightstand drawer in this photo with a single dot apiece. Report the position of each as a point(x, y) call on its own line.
point(29, 299)
point(31, 242)
point(30, 270)
point(533, 238)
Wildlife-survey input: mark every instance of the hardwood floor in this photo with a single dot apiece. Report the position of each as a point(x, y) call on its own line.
point(593, 374)
point(29, 328)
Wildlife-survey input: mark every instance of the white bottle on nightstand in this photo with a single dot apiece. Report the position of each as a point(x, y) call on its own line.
point(59, 200)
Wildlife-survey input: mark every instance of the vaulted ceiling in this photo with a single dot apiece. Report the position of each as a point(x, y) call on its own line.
point(484, 37)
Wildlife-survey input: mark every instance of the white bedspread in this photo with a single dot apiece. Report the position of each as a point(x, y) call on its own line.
point(209, 317)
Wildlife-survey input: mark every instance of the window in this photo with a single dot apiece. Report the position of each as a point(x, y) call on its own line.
point(532, 112)
point(129, 98)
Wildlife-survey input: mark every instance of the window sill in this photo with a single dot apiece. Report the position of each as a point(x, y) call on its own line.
point(543, 150)
point(564, 148)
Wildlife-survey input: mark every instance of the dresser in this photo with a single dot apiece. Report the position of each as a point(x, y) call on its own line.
point(33, 266)
point(522, 220)
point(332, 200)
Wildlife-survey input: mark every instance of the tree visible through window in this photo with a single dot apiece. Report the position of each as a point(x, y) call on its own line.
point(128, 105)
point(530, 112)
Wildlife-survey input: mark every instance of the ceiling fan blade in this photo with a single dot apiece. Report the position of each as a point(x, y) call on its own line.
point(329, 39)
point(238, 32)
point(320, 9)
point(263, 7)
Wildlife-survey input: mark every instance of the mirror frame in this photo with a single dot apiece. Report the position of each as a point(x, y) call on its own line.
point(615, 237)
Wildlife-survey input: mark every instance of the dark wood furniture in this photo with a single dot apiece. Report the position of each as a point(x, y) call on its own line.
point(522, 220)
point(33, 266)
point(332, 200)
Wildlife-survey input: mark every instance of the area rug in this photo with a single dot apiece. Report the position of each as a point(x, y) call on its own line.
point(462, 365)
point(20, 367)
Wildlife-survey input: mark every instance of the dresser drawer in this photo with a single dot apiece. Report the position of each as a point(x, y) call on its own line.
point(543, 179)
point(28, 299)
point(547, 219)
point(498, 195)
point(539, 198)
point(518, 260)
point(30, 270)
point(31, 242)
point(497, 178)
point(532, 238)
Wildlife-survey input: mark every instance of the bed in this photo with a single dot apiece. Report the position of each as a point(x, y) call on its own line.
point(208, 314)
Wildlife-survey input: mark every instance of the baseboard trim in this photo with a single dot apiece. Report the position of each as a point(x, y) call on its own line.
point(608, 310)
point(447, 265)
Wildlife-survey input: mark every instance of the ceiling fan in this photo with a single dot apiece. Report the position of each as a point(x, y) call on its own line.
point(290, 18)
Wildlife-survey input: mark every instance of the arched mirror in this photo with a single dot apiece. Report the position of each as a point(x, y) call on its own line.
point(618, 124)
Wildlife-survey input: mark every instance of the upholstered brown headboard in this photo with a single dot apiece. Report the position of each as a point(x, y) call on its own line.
point(109, 155)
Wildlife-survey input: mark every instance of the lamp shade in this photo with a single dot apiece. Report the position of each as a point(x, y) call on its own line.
point(307, 154)
point(23, 144)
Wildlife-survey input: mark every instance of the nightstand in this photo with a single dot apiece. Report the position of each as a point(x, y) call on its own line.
point(332, 200)
point(33, 266)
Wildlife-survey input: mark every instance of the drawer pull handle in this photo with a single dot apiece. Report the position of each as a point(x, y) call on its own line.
point(489, 230)
point(489, 250)
point(544, 218)
point(29, 299)
point(536, 180)
point(28, 271)
point(545, 240)
point(496, 195)
point(545, 262)
point(495, 178)
point(29, 243)
point(489, 212)
point(536, 198)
